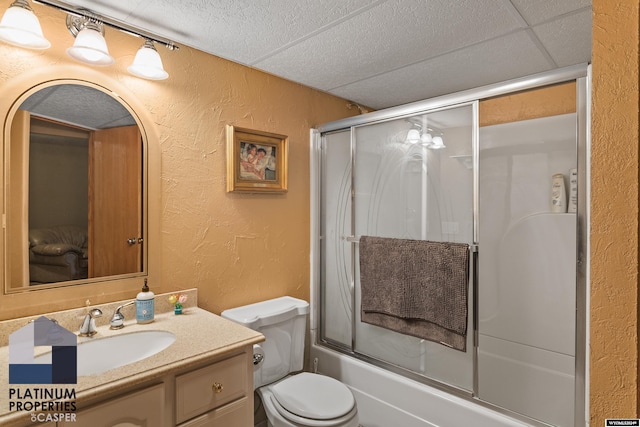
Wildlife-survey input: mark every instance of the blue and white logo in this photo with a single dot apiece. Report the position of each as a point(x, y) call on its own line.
point(23, 368)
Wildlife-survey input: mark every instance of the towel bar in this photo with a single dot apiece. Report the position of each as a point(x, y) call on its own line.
point(353, 239)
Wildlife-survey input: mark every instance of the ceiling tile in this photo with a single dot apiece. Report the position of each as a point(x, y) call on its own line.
point(391, 36)
point(535, 12)
point(491, 62)
point(568, 40)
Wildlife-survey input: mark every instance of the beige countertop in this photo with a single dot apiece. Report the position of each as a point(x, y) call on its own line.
point(200, 336)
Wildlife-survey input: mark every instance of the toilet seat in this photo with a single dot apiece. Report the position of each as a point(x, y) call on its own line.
point(314, 396)
point(308, 422)
point(313, 400)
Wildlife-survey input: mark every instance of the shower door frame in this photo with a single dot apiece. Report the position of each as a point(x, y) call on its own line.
point(581, 75)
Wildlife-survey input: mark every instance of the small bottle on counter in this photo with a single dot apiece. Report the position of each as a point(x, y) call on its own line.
point(558, 194)
point(145, 305)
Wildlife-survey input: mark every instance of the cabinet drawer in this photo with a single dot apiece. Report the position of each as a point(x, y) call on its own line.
point(236, 414)
point(207, 388)
point(141, 408)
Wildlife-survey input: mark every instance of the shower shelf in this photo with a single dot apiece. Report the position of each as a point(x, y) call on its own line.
point(466, 160)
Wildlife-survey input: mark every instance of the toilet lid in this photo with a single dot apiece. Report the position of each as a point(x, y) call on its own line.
point(314, 396)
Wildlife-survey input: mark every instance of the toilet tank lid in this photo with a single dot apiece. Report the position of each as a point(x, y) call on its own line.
point(267, 312)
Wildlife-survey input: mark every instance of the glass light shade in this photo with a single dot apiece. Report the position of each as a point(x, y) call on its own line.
point(91, 48)
point(437, 143)
point(147, 64)
point(413, 136)
point(426, 139)
point(20, 27)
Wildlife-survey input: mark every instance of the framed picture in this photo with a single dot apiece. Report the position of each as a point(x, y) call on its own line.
point(256, 161)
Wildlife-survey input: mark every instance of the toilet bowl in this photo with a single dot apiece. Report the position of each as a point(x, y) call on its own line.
point(291, 399)
point(309, 400)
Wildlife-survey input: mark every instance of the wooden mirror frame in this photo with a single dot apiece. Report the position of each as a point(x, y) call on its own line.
point(96, 291)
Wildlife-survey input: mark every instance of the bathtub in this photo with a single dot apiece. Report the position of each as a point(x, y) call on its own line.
point(386, 399)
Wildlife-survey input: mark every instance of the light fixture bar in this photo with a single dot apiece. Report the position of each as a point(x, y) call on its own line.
point(114, 23)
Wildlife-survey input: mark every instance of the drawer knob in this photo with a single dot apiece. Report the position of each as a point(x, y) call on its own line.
point(217, 387)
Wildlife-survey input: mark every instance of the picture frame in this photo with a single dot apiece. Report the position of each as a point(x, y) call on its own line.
point(257, 161)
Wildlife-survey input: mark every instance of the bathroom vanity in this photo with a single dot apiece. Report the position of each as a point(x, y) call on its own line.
point(205, 377)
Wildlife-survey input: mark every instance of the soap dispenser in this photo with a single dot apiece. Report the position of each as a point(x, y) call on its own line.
point(145, 305)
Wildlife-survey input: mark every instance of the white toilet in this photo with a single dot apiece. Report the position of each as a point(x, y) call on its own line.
point(291, 400)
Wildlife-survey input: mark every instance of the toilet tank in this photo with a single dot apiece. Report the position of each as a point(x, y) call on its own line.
point(283, 322)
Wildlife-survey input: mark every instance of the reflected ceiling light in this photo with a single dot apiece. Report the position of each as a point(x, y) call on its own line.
point(90, 46)
point(413, 136)
point(437, 143)
point(147, 63)
point(426, 139)
point(420, 133)
point(20, 27)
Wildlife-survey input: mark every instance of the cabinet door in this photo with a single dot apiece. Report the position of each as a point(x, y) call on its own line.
point(210, 387)
point(235, 414)
point(144, 408)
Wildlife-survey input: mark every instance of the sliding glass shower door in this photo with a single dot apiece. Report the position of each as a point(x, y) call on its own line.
point(407, 178)
point(475, 169)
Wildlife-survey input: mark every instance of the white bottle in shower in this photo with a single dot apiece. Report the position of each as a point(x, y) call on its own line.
point(573, 191)
point(558, 194)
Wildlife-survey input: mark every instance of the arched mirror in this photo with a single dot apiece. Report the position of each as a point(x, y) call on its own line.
point(74, 186)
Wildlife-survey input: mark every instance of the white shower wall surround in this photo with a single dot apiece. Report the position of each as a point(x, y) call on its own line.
point(491, 188)
point(386, 399)
point(527, 270)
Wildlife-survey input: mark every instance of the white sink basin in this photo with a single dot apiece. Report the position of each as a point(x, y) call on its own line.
point(103, 354)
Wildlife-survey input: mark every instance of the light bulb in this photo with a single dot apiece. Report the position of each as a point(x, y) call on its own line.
point(437, 143)
point(21, 27)
point(413, 136)
point(90, 47)
point(147, 63)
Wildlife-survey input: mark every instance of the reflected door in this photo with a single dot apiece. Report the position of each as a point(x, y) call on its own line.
point(17, 273)
point(115, 201)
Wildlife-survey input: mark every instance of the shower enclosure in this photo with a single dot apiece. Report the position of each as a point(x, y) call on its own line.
point(430, 171)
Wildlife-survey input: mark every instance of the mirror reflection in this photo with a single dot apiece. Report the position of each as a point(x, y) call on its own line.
point(74, 194)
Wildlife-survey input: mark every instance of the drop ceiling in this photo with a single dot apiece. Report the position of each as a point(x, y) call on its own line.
point(378, 53)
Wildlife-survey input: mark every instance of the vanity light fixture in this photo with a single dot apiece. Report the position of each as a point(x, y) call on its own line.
point(147, 63)
point(90, 46)
point(21, 27)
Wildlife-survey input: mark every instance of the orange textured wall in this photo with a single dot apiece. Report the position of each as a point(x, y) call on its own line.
point(235, 248)
point(614, 212)
point(241, 248)
point(527, 105)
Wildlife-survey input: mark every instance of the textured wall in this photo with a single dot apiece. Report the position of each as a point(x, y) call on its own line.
point(241, 248)
point(236, 249)
point(527, 105)
point(614, 210)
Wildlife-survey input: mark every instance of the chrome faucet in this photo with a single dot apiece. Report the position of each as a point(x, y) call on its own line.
point(88, 327)
point(117, 320)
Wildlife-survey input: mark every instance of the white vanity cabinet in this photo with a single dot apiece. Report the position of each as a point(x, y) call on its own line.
point(218, 393)
point(204, 378)
point(138, 409)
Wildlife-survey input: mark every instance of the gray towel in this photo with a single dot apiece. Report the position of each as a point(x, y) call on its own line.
point(416, 287)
